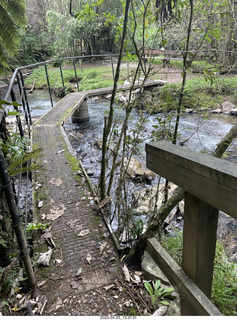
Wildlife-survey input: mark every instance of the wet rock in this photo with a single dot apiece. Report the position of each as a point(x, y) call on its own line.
point(151, 271)
point(188, 110)
point(108, 96)
point(146, 198)
point(94, 98)
point(233, 112)
point(217, 111)
point(75, 136)
point(227, 107)
point(90, 172)
point(99, 144)
point(126, 82)
point(138, 172)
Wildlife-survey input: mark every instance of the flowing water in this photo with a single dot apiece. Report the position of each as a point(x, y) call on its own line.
point(200, 134)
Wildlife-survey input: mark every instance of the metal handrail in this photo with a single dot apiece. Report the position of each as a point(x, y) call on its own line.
point(47, 62)
point(18, 76)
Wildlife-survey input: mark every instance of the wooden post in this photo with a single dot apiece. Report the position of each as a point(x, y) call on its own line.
point(209, 183)
point(199, 244)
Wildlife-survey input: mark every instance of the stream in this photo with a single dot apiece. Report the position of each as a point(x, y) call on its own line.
point(84, 139)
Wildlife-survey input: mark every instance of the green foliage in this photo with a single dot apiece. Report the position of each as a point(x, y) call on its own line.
point(34, 48)
point(12, 18)
point(3, 242)
point(65, 32)
point(14, 147)
point(174, 245)
point(16, 153)
point(224, 288)
point(158, 293)
point(164, 129)
point(36, 226)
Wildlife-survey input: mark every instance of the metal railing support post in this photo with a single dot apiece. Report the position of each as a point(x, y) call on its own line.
point(75, 70)
point(18, 119)
point(7, 189)
point(47, 77)
point(25, 95)
point(61, 71)
point(23, 102)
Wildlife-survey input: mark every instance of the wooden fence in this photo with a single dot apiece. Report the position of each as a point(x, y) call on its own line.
point(210, 185)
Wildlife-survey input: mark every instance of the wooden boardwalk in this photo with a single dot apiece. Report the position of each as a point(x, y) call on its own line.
point(61, 196)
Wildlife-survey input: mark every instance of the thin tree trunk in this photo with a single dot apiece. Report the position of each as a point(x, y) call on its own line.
point(111, 113)
point(184, 73)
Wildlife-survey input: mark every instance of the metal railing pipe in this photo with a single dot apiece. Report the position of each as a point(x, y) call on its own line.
point(25, 95)
point(23, 101)
point(61, 71)
point(48, 82)
point(18, 118)
point(7, 189)
point(75, 70)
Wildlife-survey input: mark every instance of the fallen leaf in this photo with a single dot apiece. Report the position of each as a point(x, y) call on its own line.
point(56, 305)
point(61, 151)
point(160, 312)
point(75, 224)
point(88, 258)
point(44, 258)
point(15, 309)
point(84, 233)
point(102, 247)
point(56, 182)
point(74, 285)
point(135, 278)
point(41, 283)
point(79, 271)
point(37, 185)
point(40, 204)
point(109, 287)
point(58, 260)
point(126, 273)
point(56, 212)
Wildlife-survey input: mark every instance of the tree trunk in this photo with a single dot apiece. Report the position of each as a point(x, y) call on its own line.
point(108, 124)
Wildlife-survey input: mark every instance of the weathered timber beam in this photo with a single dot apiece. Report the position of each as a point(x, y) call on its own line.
point(189, 291)
point(209, 179)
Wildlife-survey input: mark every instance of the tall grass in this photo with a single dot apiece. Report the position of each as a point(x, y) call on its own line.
point(224, 286)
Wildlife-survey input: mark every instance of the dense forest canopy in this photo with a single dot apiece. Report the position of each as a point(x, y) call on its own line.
point(69, 28)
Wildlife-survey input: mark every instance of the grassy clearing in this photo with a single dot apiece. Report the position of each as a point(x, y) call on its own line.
point(198, 94)
point(224, 287)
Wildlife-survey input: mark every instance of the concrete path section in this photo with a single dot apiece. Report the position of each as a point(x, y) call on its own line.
point(84, 258)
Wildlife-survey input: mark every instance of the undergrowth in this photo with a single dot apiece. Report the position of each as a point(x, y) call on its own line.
point(224, 286)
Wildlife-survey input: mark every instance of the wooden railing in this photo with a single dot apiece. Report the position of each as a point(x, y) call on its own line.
point(210, 185)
